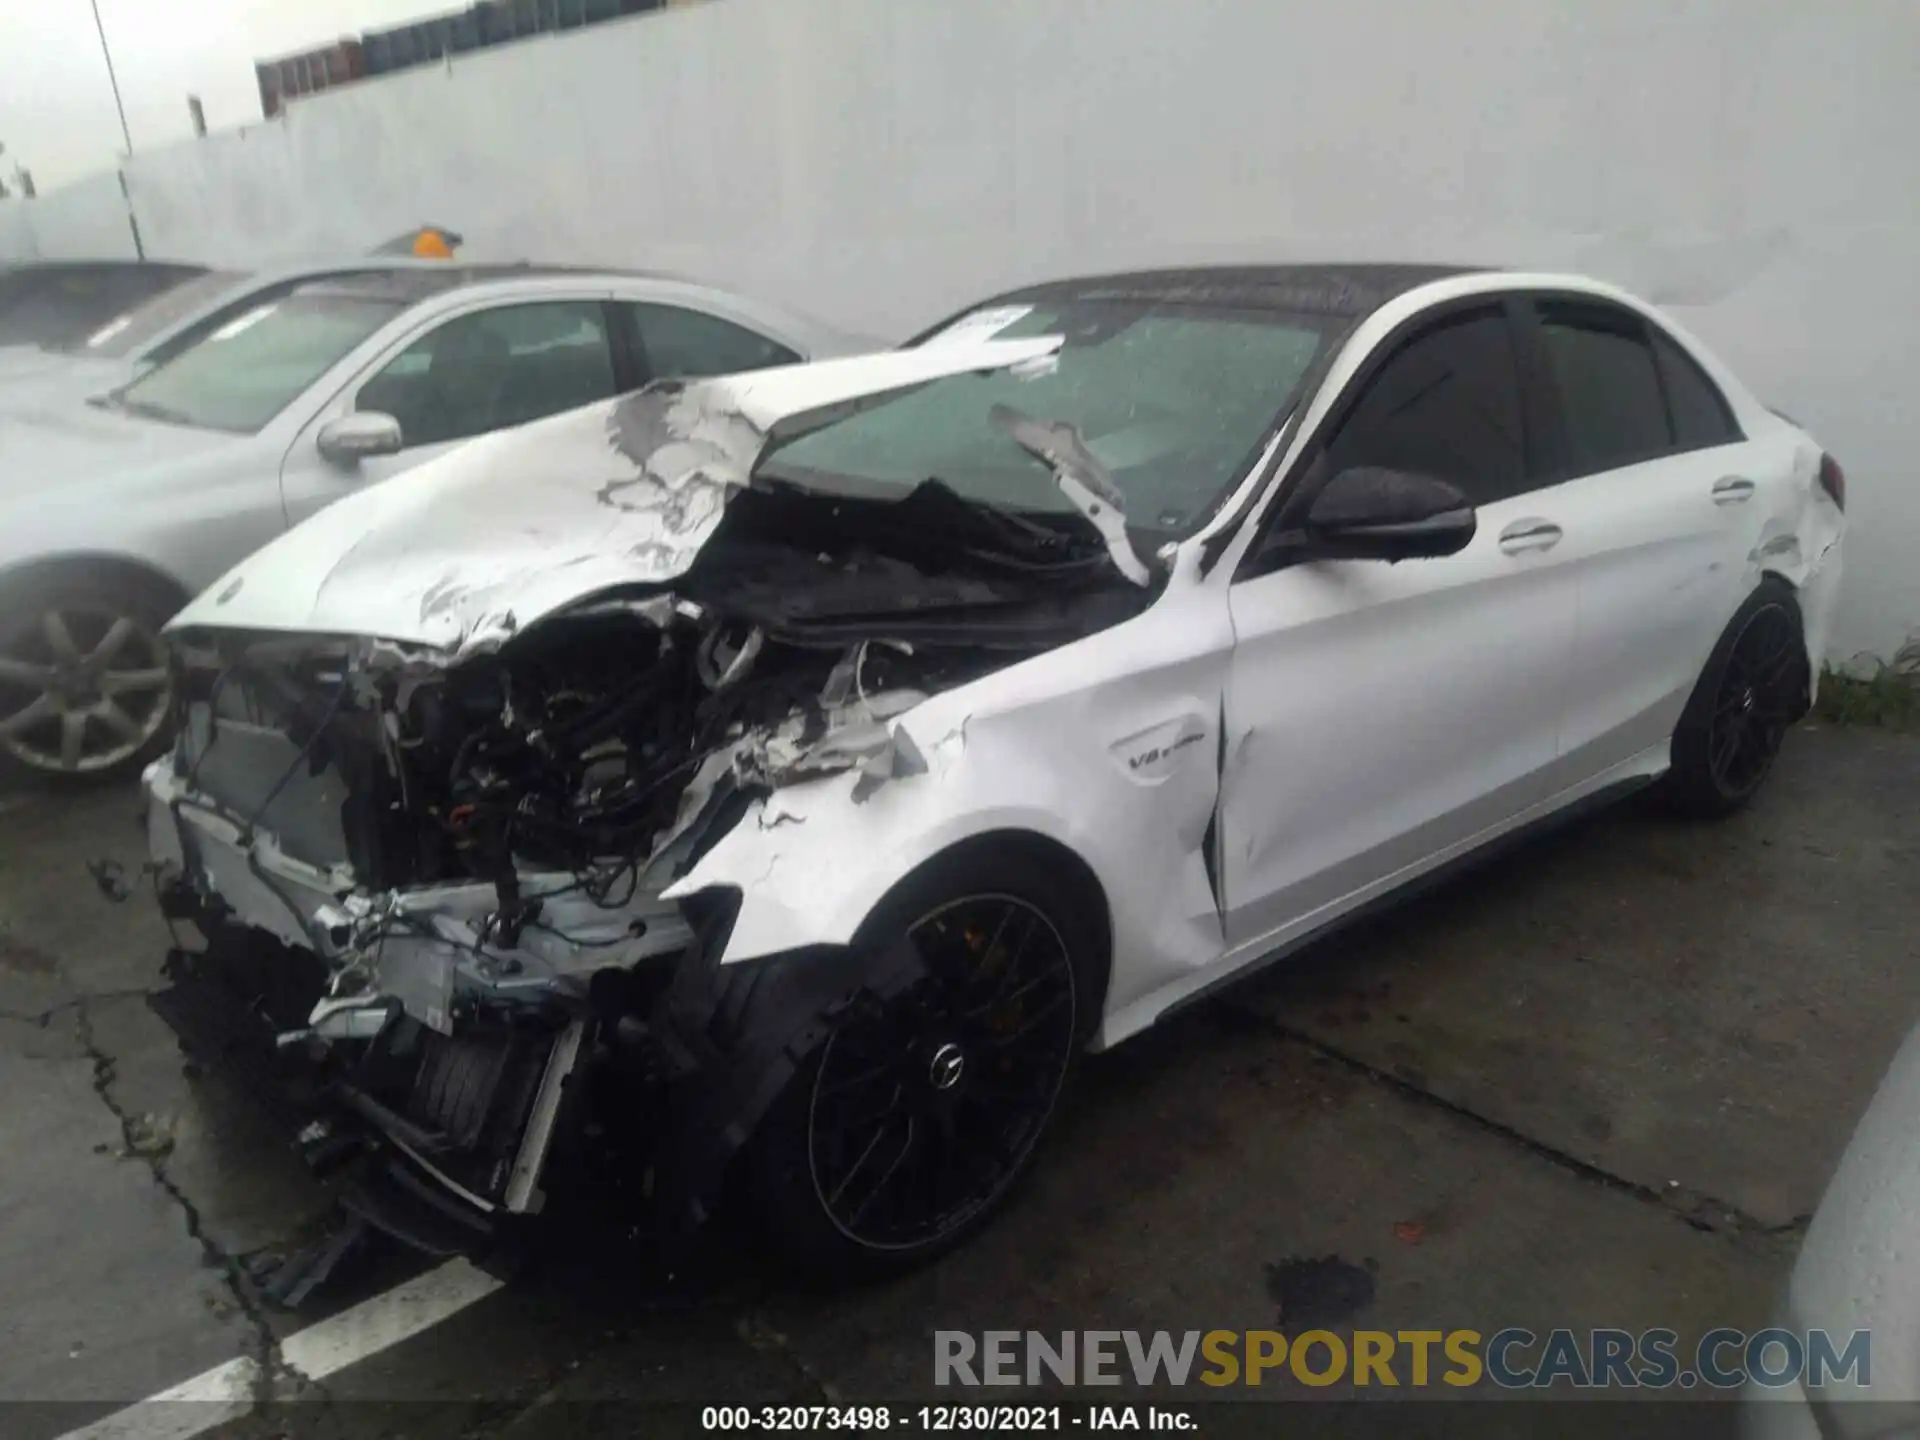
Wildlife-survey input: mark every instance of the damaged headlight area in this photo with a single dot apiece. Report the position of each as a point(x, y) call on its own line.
point(444, 889)
point(431, 888)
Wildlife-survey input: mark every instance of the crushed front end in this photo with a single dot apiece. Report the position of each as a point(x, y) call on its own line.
point(445, 750)
point(432, 893)
point(431, 899)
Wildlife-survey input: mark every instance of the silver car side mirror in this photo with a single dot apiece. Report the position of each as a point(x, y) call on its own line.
point(359, 436)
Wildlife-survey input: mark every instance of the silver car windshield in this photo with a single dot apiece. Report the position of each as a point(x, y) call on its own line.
point(246, 372)
point(130, 331)
point(1172, 399)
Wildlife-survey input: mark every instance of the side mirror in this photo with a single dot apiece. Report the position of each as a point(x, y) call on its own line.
point(1369, 513)
point(359, 436)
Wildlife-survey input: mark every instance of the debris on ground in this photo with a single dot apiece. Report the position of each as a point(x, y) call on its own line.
point(110, 876)
point(148, 1138)
point(286, 1281)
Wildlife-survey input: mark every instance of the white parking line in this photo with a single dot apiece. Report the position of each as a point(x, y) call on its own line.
point(223, 1393)
point(226, 1392)
point(387, 1319)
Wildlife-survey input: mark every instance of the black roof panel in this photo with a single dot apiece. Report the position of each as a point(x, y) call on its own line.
point(1342, 291)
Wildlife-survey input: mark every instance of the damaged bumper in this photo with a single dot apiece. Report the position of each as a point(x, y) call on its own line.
point(456, 1074)
point(397, 1030)
point(405, 1020)
point(451, 753)
point(431, 953)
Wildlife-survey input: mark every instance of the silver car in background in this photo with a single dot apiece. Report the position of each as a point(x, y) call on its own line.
point(117, 510)
point(122, 347)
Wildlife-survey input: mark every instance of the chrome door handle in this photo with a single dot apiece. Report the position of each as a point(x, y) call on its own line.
point(1732, 490)
point(1530, 534)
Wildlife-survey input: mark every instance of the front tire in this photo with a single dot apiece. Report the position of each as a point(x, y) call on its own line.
point(912, 1123)
point(85, 689)
point(1754, 687)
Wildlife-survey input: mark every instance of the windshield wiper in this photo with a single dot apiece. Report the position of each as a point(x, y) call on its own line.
point(1021, 533)
point(939, 521)
point(1083, 478)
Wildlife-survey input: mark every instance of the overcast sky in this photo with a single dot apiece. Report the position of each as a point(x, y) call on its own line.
point(56, 108)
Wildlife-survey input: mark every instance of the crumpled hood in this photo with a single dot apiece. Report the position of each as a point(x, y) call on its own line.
point(468, 550)
point(54, 448)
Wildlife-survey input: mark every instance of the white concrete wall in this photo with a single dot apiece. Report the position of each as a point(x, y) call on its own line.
point(79, 221)
point(1751, 162)
point(83, 221)
point(16, 231)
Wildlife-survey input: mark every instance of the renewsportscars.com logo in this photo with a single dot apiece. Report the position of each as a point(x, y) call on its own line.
point(1511, 1359)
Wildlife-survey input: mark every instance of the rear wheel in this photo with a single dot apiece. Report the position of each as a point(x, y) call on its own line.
point(1753, 689)
point(914, 1120)
point(85, 692)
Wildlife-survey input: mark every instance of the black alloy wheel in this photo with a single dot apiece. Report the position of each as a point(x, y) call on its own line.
point(915, 1119)
point(1754, 687)
point(1759, 698)
point(924, 1109)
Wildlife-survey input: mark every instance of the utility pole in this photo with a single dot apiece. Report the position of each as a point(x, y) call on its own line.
point(112, 79)
point(133, 223)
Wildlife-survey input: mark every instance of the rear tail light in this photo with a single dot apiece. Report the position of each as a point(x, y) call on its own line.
point(1833, 480)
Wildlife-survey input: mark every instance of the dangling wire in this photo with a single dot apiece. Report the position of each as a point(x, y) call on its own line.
point(306, 752)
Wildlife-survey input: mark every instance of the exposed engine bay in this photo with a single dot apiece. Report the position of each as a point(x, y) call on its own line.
point(432, 893)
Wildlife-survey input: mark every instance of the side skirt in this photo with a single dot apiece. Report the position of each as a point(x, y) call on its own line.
point(1121, 1027)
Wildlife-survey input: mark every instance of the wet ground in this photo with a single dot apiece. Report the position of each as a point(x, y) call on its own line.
point(1600, 1082)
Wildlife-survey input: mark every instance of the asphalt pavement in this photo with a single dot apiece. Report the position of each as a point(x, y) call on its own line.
point(1600, 1081)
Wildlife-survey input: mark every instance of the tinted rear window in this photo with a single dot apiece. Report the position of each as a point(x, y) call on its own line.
point(1609, 389)
point(1701, 415)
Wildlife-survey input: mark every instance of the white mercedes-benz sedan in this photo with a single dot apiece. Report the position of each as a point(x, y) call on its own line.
point(115, 509)
point(782, 778)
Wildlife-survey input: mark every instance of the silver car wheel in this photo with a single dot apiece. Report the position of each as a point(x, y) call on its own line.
point(83, 687)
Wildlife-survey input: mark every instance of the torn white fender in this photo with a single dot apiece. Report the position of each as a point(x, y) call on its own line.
point(1812, 564)
point(1107, 746)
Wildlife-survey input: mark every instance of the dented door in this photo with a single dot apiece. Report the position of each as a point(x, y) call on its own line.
point(1381, 717)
